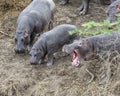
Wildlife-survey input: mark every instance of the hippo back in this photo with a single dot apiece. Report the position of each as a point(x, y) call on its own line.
point(59, 36)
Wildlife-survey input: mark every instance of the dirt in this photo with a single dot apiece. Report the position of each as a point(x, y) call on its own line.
point(19, 78)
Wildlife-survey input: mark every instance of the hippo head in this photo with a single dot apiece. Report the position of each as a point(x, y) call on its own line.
point(112, 11)
point(22, 41)
point(81, 53)
point(35, 55)
point(68, 48)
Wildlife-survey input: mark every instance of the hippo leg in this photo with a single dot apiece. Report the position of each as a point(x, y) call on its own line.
point(50, 25)
point(50, 59)
point(83, 9)
point(32, 36)
point(42, 59)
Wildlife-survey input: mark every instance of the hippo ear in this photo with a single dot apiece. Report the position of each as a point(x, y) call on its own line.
point(39, 50)
point(117, 7)
point(26, 34)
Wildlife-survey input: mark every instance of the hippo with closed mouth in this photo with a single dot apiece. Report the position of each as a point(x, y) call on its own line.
point(31, 21)
point(50, 42)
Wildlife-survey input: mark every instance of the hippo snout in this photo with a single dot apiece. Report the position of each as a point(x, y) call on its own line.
point(18, 50)
point(33, 63)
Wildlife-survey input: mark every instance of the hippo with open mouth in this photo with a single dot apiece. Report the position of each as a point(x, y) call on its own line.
point(78, 50)
point(92, 47)
point(89, 48)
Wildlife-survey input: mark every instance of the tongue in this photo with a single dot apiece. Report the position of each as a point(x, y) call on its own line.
point(75, 59)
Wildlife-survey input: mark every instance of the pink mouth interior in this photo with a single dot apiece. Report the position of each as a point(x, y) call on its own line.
point(75, 58)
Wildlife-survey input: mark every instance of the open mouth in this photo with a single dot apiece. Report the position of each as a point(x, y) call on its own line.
point(75, 58)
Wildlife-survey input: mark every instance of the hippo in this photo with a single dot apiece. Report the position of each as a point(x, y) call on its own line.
point(50, 42)
point(31, 21)
point(87, 48)
point(95, 47)
point(112, 10)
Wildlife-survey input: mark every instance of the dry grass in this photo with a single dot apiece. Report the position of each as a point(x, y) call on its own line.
point(13, 4)
point(14, 86)
point(19, 78)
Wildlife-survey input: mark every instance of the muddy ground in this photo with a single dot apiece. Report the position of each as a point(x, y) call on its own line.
point(19, 78)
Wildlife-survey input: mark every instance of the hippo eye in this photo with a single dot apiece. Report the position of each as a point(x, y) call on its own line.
point(35, 54)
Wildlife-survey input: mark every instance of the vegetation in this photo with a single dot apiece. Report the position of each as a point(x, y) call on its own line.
point(94, 28)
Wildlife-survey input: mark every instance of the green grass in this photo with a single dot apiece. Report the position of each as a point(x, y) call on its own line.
point(94, 28)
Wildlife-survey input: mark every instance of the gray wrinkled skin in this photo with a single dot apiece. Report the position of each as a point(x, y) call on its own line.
point(112, 0)
point(50, 42)
point(83, 49)
point(112, 10)
point(31, 21)
point(93, 45)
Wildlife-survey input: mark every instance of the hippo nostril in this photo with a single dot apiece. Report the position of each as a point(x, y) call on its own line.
point(19, 50)
point(33, 63)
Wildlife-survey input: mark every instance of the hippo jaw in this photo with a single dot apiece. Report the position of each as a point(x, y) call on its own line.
point(20, 50)
point(22, 42)
point(76, 59)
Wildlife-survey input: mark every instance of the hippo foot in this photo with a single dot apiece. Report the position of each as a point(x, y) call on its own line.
point(81, 10)
point(63, 2)
point(49, 64)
